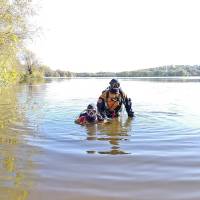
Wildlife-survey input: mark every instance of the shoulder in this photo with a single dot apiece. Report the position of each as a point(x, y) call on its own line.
point(104, 94)
point(105, 91)
point(122, 93)
point(83, 113)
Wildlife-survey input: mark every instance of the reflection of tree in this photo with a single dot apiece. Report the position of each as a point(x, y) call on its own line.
point(114, 132)
point(14, 159)
point(31, 104)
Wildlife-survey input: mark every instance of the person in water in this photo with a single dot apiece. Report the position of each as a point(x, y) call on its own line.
point(111, 100)
point(89, 115)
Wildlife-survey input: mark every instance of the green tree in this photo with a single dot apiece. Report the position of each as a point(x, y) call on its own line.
point(14, 30)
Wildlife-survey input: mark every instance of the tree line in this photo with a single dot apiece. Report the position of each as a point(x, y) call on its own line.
point(48, 72)
point(164, 71)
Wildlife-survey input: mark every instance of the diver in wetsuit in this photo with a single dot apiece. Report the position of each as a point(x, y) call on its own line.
point(89, 115)
point(111, 100)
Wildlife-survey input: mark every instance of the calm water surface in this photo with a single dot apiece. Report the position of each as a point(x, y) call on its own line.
point(45, 155)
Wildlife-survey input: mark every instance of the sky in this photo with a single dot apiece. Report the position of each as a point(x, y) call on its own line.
point(117, 35)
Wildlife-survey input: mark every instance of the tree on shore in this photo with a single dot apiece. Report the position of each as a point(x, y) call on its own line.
point(31, 62)
point(14, 30)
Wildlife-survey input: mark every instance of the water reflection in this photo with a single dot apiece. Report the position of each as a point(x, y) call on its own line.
point(113, 133)
point(14, 161)
point(57, 79)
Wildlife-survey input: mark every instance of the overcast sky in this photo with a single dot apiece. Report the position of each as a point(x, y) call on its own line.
point(118, 35)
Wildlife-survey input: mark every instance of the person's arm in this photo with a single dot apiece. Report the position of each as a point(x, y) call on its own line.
point(81, 119)
point(101, 105)
point(100, 118)
point(128, 104)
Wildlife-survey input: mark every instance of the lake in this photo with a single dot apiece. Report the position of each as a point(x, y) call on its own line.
point(154, 156)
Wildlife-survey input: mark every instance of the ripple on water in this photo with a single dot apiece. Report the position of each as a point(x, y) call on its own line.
point(155, 155)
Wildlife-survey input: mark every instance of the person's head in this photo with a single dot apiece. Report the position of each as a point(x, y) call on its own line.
point(114, 86)
point(91, 113)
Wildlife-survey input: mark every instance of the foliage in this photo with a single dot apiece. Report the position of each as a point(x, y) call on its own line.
point(14, 29)
point(55, 73)
point(172, 70)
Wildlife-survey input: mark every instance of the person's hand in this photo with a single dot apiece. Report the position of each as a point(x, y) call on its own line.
point(131, 114)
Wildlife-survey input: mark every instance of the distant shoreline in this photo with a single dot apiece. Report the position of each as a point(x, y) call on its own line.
point(136, 77)
point(164, 71)
point(145, 79)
